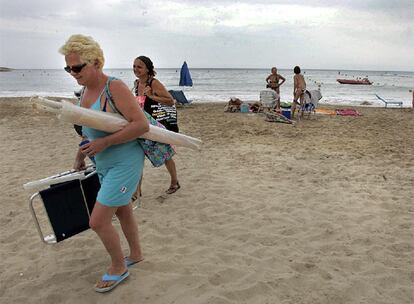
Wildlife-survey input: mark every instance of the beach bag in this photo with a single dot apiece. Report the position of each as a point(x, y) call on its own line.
point(156, 152)
point(166, 115)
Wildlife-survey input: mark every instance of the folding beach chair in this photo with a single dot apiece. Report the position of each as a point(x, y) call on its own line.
point(180, 97)
point(310, 103)
point(68, 199)
point(390, 101)
point(268, 98)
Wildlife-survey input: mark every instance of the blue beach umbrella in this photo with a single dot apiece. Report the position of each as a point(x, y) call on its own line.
point(185, 77)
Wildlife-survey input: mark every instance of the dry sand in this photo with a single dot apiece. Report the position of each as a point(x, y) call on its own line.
point(268, 213)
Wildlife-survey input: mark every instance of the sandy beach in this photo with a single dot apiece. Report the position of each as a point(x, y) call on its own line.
point(321, 212)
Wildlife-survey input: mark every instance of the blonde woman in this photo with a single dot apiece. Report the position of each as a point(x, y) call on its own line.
point(119, 157)
point(274, 81)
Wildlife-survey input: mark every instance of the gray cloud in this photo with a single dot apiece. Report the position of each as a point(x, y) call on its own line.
point(319, 34)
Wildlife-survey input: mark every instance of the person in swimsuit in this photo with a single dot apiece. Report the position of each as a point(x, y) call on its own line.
point(299, 89)
point(119, 157)
point(155, 93)
point(413, 97)
point(274, 81)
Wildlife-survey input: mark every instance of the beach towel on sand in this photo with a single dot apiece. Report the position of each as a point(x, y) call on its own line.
point(276, 117)
point(325, 111)
point(347, 112)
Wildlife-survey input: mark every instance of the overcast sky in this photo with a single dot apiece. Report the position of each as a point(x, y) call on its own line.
point(326, 34)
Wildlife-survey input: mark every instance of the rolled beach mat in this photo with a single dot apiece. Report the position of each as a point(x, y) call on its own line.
point(44, 104)
point(104, 121)
point(168, 137)
point(113, 122)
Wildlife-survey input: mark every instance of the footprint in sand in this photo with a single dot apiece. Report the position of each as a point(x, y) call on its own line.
point(162, 198)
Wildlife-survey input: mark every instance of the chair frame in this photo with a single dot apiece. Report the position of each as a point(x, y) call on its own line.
point(177, 102)
point(66, 176)
point(391, 102)
point(307, 107)
point(303, 110)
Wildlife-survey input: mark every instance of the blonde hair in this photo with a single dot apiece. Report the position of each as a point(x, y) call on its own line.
point(86, 47)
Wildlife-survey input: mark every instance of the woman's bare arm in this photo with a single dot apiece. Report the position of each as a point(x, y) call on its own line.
point(159, 93)
point(127, 105)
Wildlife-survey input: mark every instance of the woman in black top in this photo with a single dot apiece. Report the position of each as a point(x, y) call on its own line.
point(159, 104)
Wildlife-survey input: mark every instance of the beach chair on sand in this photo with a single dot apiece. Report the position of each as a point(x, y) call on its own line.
point(268, 98)
point(180, 97)
point(310, 103)
point(68, 199)
point(390, 101)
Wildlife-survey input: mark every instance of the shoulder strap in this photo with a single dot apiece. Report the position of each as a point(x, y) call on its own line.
point(149, 81)
point(109, 97)
point(134, 89)
point(81, 96)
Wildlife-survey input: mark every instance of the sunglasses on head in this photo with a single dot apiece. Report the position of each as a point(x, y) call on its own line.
point(75, 68)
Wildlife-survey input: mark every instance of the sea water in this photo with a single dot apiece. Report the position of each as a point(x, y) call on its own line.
point(218, 85)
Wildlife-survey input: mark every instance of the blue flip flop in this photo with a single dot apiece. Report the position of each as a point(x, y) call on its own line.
point(108, 277)
point(130, 263)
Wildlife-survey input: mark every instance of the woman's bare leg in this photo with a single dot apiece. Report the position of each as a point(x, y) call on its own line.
point(278, 98)
point(170, 164)
point(101, 223)
point(130, 229)
point(296, 96)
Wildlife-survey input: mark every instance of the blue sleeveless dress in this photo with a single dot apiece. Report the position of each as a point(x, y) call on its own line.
point(119, 167)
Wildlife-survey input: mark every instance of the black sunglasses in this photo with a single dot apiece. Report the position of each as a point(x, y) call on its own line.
point(75, 68)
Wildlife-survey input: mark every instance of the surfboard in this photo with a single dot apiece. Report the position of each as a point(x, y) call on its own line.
point(111, 122)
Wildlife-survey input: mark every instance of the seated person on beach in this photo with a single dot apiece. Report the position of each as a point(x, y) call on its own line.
point(274, 81)
point(255, 107)
point(233, 105)
point(299, 89)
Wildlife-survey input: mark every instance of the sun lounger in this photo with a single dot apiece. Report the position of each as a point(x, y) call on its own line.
point(390, 101)
point(68, 199)
point(180, 97)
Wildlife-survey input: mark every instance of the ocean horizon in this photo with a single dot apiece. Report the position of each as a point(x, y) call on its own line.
point(220, 84)
point(229, 68)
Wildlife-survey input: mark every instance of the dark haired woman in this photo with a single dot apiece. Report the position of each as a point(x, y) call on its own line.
point(159, 104)
point(299, 89)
